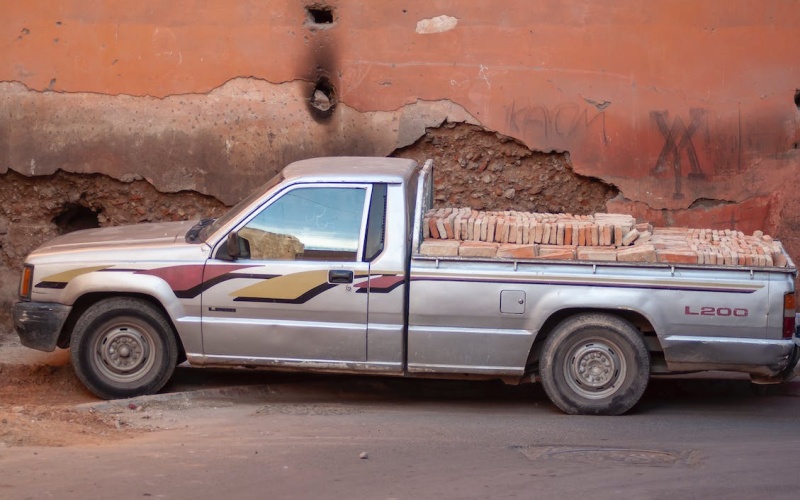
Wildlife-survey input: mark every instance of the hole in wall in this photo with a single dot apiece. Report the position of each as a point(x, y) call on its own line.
point(323, 98)
point(74, 217)
point(319, 14)
point(797, 98)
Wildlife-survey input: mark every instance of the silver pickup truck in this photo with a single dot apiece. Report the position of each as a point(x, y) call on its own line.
point(319, 270)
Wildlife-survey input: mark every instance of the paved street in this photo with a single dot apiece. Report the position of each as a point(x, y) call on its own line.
point(304, 437)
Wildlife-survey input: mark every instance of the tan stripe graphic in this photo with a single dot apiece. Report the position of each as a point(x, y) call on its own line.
point(68, 276)
point(286, 287)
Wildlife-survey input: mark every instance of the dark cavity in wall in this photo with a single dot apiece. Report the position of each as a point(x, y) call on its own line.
point(74, 217)
point(35, 209)
point(319, 16)
point(484, 170)
point(797, 98)
point(322, 101)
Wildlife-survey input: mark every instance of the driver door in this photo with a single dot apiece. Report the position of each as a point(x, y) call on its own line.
point(290, 296)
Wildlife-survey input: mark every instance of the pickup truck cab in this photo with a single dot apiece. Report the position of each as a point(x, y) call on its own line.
point(319, 270)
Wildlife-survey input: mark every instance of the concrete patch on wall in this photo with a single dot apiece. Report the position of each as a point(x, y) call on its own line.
point(220, 144)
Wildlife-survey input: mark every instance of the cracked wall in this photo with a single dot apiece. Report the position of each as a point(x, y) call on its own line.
point(483, 170)
point(35, 209)
point(660, 109)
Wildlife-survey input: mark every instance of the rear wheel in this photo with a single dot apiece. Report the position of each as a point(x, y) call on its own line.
point(123, 347)
point(594, 364)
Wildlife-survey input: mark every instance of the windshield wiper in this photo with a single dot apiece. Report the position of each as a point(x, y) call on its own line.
point(193, 234)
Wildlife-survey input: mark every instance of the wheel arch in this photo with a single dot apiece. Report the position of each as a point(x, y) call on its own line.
point(636, 318)
point(87, 300)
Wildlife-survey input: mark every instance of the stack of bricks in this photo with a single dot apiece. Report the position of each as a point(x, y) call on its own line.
point(600, 237)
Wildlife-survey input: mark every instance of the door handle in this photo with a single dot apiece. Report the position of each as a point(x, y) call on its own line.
point(340, 276)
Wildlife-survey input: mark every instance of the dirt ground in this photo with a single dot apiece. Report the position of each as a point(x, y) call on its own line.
point(39, 394)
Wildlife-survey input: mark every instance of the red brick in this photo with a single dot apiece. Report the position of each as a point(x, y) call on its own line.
point(556, 252)
point(512, 251)
point(499, 229)
point(559, 255)
point(512, 230)
point(538, 232)
point(439, 248)
point(643, 238)
point(607, 238)
point(630, 237)
point(490, 228)
point(641, 253)
point(433, 227)
point(597, 253)
point(441, 228)
point(477, 249)
point(677, 256)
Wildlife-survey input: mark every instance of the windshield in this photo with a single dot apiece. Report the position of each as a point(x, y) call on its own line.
point(230, 214)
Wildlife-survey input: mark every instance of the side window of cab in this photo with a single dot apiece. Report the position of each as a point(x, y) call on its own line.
point(324, 223)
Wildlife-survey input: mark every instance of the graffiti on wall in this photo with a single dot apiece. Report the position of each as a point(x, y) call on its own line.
point(558, 126)
point(678, 146)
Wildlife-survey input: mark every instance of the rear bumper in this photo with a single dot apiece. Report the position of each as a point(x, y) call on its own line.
point(39, 324)
point(760, 357)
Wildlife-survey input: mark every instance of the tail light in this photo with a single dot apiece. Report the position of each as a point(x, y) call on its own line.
point(789, 307)
point(26, 283)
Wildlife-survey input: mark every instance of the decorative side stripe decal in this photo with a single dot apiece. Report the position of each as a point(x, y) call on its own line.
point(287, 287)
point(52, 285)
point(301, 299)
point(67, 276)
point(380, 284)
point(189, 281)
point(701, 287)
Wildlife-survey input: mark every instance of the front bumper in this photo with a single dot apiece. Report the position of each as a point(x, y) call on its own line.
point(39, 324)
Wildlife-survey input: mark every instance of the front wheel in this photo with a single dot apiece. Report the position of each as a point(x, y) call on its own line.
point(594, 364)
point(122, 348)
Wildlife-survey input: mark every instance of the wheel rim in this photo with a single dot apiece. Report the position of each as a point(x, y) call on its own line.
point(595, 368)
point(123, 352)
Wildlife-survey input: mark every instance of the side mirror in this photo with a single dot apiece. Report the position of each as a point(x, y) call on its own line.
point(232, 245)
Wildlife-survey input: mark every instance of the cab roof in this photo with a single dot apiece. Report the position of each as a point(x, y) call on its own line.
point(351, 169)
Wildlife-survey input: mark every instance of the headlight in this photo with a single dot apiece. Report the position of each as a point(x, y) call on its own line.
point(26, 283)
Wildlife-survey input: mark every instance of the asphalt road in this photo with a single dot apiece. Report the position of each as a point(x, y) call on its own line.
point(346, 437)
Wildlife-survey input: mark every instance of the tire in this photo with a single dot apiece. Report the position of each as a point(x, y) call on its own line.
point(594, 364)
point(123, 348)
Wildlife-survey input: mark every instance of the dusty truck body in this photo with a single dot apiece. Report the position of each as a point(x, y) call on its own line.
point(319, 270)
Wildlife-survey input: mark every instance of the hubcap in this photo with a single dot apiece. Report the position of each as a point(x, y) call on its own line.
point(123, 353)
point(594, 369)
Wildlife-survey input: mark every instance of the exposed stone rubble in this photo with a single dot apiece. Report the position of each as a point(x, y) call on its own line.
point(463, 232)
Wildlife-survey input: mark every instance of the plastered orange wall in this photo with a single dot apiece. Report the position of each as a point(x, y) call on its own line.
point(688, 107)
